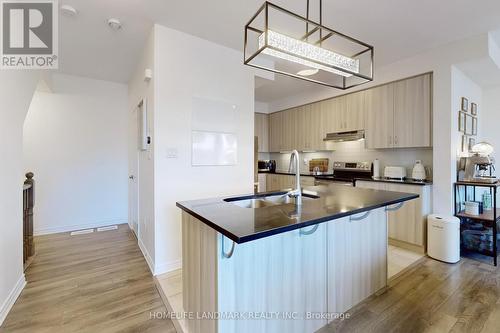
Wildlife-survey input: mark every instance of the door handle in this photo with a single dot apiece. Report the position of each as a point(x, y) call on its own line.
point(131, 177)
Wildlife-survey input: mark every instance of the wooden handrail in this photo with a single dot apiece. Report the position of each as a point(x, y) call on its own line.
point(28, 204)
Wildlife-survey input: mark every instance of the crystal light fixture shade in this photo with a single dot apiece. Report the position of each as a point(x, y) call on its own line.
point(283, 42)
point(299, 51)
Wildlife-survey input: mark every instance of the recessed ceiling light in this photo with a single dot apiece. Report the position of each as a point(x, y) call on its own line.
point(68, 10)
point(114, 24)
point(308, 72)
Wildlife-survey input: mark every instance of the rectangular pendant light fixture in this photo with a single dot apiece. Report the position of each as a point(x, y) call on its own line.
point(298, 51)
point(283, 42)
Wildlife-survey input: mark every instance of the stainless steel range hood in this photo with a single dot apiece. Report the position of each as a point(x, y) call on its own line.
point(345, 136)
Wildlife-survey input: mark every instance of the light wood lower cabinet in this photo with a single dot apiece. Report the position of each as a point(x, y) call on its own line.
point(407, 225)
point(262, 177)
point(291, 274)
point(277, 182)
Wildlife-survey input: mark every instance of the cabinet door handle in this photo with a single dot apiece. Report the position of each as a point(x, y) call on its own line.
point(359, 218)
point(394, 208)
point(224, 253)
point(309, 232)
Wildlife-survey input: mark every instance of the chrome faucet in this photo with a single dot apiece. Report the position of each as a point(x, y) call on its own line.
point(297, 192)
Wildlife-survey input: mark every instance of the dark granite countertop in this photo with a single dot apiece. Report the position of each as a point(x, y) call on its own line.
point(408, 181)
point(305, 174)
point(246, 224)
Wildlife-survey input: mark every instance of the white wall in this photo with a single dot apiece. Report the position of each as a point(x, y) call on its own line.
point(463, 86)
point(16, 91)
point(194, 68)
point(75, 142)
point(488, 116)
point(141, 163)
point(440, 61)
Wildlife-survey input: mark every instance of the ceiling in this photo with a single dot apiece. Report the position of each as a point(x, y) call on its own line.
point(397, 29)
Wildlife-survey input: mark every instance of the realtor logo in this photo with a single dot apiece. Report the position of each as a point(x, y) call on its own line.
point(29, 34)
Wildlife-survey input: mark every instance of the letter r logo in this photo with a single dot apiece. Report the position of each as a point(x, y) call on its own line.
point(27, 27)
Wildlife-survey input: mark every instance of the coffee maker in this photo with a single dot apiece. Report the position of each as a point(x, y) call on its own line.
point(480, 166)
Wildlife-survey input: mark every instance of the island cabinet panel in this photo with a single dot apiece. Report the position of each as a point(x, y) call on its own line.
point(321, 269)
point(199, 270)
point(283, 274)
point(357, 259)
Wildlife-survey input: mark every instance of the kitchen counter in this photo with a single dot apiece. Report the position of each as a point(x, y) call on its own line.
point(408, 181)
point(247, 224)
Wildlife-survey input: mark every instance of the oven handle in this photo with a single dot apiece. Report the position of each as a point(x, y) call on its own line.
point(328, 182)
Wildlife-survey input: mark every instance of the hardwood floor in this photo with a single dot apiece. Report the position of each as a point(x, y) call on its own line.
point(96, 282)
point(431, 297)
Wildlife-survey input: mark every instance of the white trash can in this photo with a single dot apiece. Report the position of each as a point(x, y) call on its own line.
point(443, 238)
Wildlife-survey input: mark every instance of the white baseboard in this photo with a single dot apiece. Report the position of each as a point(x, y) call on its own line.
point(68, 228)
point(11, 299)
point(146, 255)
point(168, 267)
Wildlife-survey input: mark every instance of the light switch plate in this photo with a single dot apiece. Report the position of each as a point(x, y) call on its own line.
point(172, 153)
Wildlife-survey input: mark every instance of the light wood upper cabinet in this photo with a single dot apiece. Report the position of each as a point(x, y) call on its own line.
point(275, 131)
point(261, 130)
point(380, 117)
point(354, 111)
point(399, 114)
point(344, 113)
point(309, 133)
point(289, 139)
point(332, 115)
point(412, 112)
point(394, 115)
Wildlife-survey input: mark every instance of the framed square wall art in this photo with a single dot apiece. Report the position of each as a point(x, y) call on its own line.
point(461, 121)
point(473, 109)
point(468, 124)
point(465, 105)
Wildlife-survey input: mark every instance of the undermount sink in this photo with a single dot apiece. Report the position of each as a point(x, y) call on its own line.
point(274, 199)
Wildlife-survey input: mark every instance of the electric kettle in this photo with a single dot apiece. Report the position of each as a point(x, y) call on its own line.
point(418, 171)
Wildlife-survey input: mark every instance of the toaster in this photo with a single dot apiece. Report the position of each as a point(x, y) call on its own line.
point(395, 172)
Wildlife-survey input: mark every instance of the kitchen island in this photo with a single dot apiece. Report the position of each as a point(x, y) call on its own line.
point(261, 263)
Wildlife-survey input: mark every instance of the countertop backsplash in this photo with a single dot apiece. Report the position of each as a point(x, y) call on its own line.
point(355, 152)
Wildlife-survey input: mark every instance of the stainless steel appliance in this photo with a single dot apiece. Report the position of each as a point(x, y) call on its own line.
point(345, 173)
point(345, 136)
point(267, 165)
point(480, 166)
point(477, 168)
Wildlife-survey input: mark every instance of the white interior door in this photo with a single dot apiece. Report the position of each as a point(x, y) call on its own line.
point(133, 185)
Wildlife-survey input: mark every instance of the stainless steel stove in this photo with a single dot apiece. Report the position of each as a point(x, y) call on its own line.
point(345, 173)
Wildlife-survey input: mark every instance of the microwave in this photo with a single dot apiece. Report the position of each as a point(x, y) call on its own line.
point(267, 165)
